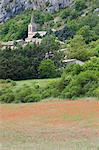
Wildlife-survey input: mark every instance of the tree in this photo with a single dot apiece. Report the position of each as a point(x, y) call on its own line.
point(47, 69)
point(65, 13)
point(87, 33)
point(80, 5)
point(64, 33)
point(20, 63)
point(49, 44)
point(77, 48)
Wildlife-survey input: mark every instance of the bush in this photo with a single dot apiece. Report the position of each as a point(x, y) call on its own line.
point(79, 85)
point(92, 64)
point(36, 86)
point(35, 97)
point(2, 81)
point(65, 80)
point(8, 80)
point(96, 92)
point(73, 69)
point(71, 91)
point(13, 83)
point(80, 5)
point(65, 13)
point(7, 98)
point(22, 94)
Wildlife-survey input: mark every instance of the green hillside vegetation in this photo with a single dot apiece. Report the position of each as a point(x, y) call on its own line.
point(76, 81)
point(79, 19)
point(28, 61)
point(77, 28)
point(17, 27)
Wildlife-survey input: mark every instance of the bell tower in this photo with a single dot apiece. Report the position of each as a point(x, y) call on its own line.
point(32, 27)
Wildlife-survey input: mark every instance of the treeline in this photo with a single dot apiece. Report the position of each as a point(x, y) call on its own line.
point(76, 81)
point(44, 60)
point(30, 62)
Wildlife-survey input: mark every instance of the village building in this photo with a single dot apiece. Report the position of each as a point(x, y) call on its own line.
point(11, 44)
point(32, 32)
point(34, 36)
point(72, 61)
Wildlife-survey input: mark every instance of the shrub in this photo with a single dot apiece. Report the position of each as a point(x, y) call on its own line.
point(71, 89)
point(8, 80)
point(82, 84)
point(73, 69)
point(46, 93)
point(80, 5)
point(13, 83)
point(34, 97)
point(65, 13)
point(36, 86)
point(65, 80)
point(7, 98)
point(92, 65)
point(96, 92)
point(22, 94)
point(2, 81)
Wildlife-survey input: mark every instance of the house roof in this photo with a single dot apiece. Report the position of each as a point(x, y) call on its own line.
point(73, 61)
point(9, 43)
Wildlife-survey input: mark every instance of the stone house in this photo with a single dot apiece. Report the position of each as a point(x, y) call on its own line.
point(72, 61)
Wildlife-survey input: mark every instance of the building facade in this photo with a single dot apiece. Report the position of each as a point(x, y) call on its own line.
point(32, 31)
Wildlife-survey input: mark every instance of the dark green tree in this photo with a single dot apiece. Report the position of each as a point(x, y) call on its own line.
point(47, 69)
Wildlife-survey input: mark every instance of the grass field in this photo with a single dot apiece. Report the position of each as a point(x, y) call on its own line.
point(57, 125)
point(20, 84)
point(40, 82)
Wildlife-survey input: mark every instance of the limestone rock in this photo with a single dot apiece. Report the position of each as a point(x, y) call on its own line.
point(10, 8)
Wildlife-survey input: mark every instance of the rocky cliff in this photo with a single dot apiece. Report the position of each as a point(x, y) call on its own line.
point(9, 8)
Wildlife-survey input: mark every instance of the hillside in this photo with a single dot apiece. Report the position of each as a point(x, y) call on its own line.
point(75, 37)
point(83, 13)
point(9, 8)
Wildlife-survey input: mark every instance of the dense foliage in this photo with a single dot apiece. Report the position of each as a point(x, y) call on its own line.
point(17, 27)
point(76, 81)
point(77, 28)
point(47, 69)
point(23, 63)
point(80, 18)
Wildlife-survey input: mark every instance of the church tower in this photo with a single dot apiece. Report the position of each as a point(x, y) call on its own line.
point(32, 27)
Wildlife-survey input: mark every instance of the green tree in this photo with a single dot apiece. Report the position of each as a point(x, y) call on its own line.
point(65, 13)
point(77, 48)
point(49, 44)
point(47, 69)
point(80, 5)
point(87, 33)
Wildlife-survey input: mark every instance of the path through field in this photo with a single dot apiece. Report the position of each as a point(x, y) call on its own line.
point(56, 125)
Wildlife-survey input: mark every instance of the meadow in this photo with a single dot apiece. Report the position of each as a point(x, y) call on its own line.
point(50, 124)
point(18, 91)
point(30, 83)
point(57, 125)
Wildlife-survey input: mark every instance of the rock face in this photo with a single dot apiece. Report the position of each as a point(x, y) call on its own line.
point(10, 8)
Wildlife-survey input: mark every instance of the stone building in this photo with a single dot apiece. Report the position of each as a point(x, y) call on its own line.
point(72, 61)
point(32, 31)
